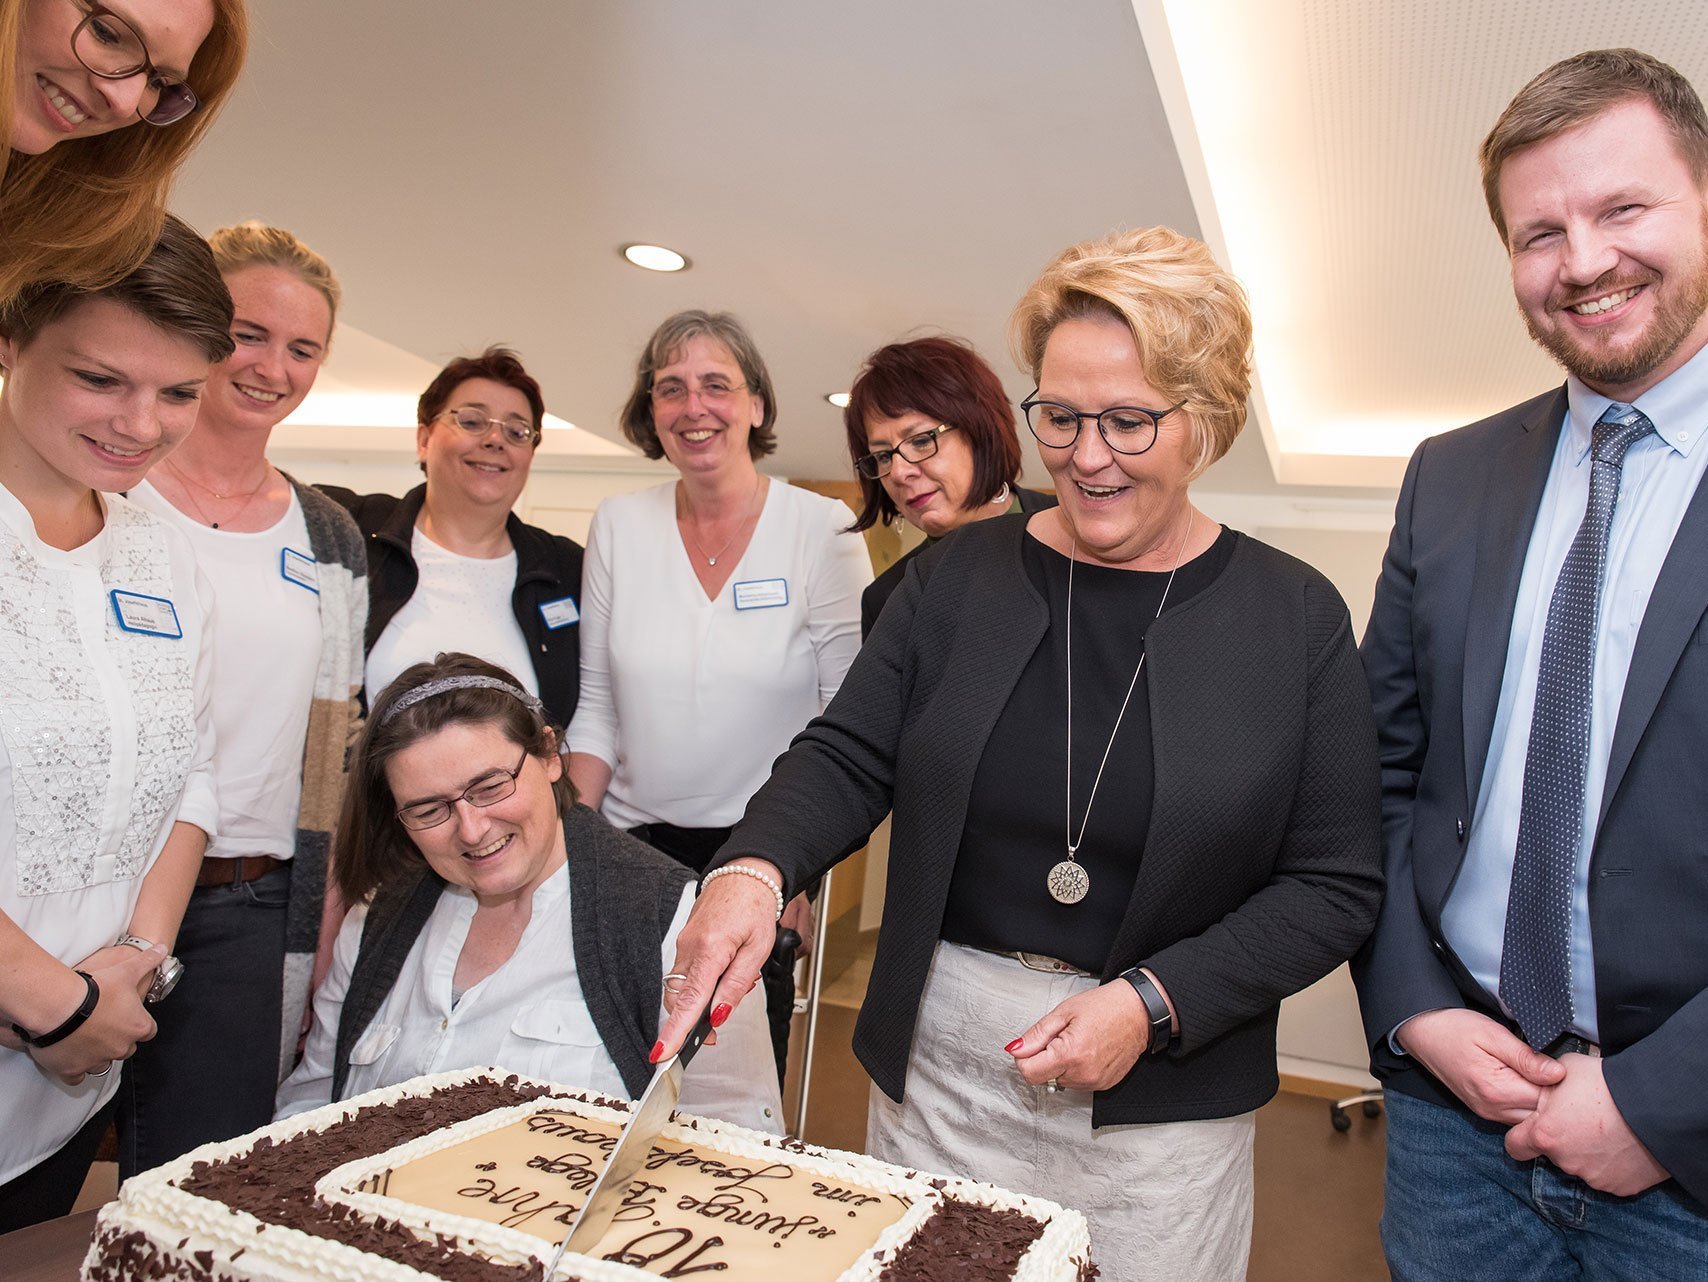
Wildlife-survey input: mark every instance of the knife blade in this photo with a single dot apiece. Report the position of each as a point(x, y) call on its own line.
point(646, 1119)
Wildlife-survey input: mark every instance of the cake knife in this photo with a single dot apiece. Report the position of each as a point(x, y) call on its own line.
point(646, 1120)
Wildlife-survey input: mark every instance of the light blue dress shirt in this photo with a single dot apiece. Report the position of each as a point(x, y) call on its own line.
point(1659, 478)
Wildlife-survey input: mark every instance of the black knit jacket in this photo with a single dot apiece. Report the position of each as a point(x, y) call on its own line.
point(1262, 866)
point(623, 897)
point(548, 568)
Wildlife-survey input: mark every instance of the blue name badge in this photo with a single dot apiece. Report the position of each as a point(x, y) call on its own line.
point(300, 568)
point(761, 594)
point(559, 613)
point(150, 616)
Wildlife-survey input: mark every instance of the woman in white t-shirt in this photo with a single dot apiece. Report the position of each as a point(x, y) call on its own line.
point(287, 566)
point(106, 791)
point(721, 610)
point(450, 565)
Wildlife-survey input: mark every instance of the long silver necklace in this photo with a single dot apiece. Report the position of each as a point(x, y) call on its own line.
point(752, 507)
point(1068, 881)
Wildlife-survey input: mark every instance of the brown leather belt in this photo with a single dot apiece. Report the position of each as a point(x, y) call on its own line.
point(234, 872)
point(1037, 961)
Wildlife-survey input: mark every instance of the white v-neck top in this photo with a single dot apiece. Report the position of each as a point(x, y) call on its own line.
point(106, 740)
point(690, 700)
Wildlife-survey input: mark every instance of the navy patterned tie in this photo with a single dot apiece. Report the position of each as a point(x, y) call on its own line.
point(1535, 959)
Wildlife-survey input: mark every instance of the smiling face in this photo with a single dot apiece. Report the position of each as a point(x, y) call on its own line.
point(503, 851)
point(95, 399)
point(931, 495)
point(1119, 508)
point(1609, 247)
point(57, 97)
point(487, 470)
point(281, 328)
point(702, 408)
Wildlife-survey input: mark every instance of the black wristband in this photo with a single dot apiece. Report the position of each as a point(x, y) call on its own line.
point(72, 1023)
point(1162, 1023)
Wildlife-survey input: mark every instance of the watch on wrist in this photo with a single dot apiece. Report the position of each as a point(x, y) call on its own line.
point(166, 975)
point(1162, 1023)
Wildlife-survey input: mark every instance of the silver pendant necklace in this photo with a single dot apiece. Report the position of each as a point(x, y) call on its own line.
point(1068, 882)
point(713, 558)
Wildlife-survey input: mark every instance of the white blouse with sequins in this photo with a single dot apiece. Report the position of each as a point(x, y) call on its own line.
point(106, 740)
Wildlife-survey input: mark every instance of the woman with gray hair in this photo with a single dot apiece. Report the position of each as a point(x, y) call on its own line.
point(719, 612)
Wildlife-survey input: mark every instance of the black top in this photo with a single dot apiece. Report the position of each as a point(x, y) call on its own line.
point(1262, 867)
point(548, 569)
point(1016, 821)
point(878, 591)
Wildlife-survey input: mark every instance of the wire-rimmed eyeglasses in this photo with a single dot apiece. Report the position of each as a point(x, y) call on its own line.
point(109, 47)
point(479, 423)
point(915, 449)
point(488, 790)
point(1126, 429)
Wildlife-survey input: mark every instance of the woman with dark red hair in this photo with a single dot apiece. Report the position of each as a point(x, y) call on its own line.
point(933, 441)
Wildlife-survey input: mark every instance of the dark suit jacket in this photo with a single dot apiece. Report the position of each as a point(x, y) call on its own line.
point(1435, 654)
point(1260, 868)
point(548, 568)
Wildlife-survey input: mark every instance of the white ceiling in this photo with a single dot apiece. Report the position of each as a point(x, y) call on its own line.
point(843, 175)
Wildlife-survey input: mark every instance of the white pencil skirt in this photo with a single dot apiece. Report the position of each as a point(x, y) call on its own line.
point(1164, 1200)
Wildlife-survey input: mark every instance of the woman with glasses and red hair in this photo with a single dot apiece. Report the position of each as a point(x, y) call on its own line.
point(98, 109)
point(932, 437)
point(497, 921)
point(450, 565)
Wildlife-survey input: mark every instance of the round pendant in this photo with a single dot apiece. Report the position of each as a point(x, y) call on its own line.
point(1068, 882)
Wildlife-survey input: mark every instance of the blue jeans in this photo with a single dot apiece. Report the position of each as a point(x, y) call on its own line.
point(211, 1070)
point(1458, 1209)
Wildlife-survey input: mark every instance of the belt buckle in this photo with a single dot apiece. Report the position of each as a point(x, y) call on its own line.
point(1571, 1044)
point(1047, 965)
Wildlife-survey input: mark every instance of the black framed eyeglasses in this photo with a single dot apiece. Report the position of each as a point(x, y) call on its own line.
point(1126, 429)
point(109, 47)
point(477, 423)
point(488, 790)
point(915, 449)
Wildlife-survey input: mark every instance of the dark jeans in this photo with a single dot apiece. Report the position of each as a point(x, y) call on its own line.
point(211, 1070)
point(1457, 1208)
point(49, 1189)
point(695, 848)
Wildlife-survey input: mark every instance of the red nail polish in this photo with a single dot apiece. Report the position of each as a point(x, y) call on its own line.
point(657, 1050)
point(1014, 1045)
point(719, 1014)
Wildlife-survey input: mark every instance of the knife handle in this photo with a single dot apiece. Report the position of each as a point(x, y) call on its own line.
point(696, 1039)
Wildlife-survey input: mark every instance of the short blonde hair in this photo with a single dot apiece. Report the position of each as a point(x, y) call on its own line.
point(255, 244)
point(1188, 317)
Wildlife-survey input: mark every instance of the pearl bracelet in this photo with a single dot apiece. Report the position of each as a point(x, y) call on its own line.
point(770, 883)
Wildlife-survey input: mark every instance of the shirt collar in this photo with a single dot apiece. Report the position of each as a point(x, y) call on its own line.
point(1677, 406)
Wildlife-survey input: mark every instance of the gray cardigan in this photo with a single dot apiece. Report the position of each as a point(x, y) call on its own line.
point(1262, 865)
point(623, 897)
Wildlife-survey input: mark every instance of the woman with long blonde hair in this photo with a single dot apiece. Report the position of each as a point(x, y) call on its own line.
point(98, 109)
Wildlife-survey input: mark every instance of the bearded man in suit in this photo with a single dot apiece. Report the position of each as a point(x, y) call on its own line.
point(1536, 991)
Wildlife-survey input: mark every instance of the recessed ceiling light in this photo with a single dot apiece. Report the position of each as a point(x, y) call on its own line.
point(838, 399)
point(655, 258)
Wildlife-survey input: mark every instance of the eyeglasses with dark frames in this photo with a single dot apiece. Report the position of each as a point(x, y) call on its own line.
point(1126, 429)
point(479, 423)
point(488, 790)
point(915, 449)
point(109, 47)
